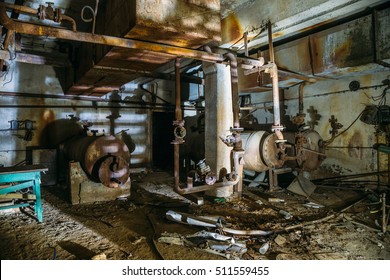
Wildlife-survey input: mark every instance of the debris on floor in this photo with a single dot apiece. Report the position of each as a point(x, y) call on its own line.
point(156, 223)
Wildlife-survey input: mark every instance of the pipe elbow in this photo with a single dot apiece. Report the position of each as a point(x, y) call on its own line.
point(232, 59)
point(5, 20)
point(207, 49)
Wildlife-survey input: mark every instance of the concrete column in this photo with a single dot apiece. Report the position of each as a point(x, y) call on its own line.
point(218, 120)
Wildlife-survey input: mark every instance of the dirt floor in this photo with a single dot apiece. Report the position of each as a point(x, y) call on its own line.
point(347, 227)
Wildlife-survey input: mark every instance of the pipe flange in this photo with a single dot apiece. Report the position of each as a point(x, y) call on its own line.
point(270, 152)
point(179, 132)
point(113, 172)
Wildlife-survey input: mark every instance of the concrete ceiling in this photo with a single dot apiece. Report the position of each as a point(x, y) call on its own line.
point(289, 17)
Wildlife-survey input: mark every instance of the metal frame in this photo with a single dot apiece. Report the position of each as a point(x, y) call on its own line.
point(25, 177)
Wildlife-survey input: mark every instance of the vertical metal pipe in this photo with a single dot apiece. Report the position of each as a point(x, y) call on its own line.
point(275, 96)
point(271, 46)
point(178, 115)
point(275, 82)
point(234, 84)
point(246, 44)
point(384, 220)
point(178, 112)
point(300, 98)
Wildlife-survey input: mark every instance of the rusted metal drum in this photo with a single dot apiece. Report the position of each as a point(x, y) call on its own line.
point(104, 158)
point(252, 143)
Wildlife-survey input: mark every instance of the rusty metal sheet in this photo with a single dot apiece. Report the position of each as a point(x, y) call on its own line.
point(97, 82)
point(258, 82)
point(294, 56)
point(134, 59)
point(338, 49)
point(382, 34)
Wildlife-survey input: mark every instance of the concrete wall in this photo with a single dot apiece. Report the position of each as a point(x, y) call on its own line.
point(33, 79)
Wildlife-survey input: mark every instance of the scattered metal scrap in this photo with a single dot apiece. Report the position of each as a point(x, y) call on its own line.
point(209, 223)
point(197, 221)
point(210, 242)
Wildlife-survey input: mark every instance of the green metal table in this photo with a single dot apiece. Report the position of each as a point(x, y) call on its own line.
point(22, 185)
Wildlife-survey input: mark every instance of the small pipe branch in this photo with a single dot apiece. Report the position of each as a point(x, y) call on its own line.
point(191, 189)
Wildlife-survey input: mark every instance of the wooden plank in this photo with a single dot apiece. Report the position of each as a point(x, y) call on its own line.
point(18, 196)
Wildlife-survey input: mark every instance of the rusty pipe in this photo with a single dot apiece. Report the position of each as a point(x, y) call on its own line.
point(246, 44)
point(300, 98)
point(20, 9)
point(71, 20)
point(178, 111)
point(191, 189)
point(178, 115)
point(275, 95)
point(277, 127)
point(234, 85)
point(38, 30)
point(32, 11)
point(271, 46)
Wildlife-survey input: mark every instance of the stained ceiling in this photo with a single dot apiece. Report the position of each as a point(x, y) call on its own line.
point(99, 69)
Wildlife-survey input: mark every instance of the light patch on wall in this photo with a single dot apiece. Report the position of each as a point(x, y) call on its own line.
point(52, 82)
point(134, 130)
point(10, 80)
point(139, 149)
point(48, 116)
point(89, 116)
point(136, 160)
point(132, 117)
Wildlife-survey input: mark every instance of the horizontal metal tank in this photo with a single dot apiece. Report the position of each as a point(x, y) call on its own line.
point(261, 152)
point(105, 159)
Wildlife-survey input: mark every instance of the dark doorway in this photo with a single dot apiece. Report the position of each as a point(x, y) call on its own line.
point(162, 138)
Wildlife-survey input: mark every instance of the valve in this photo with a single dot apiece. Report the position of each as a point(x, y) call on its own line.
point(48, 12)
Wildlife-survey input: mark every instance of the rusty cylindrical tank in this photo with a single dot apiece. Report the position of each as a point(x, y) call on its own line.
point(104, 158)
point(261, 152)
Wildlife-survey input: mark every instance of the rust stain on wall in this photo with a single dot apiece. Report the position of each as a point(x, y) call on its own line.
point(231, 29)
point(48, 116)
point(355, 144)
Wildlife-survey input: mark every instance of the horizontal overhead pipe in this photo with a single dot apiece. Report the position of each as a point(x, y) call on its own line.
point(130, 104)
point(39, 30)
point(154, 75)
